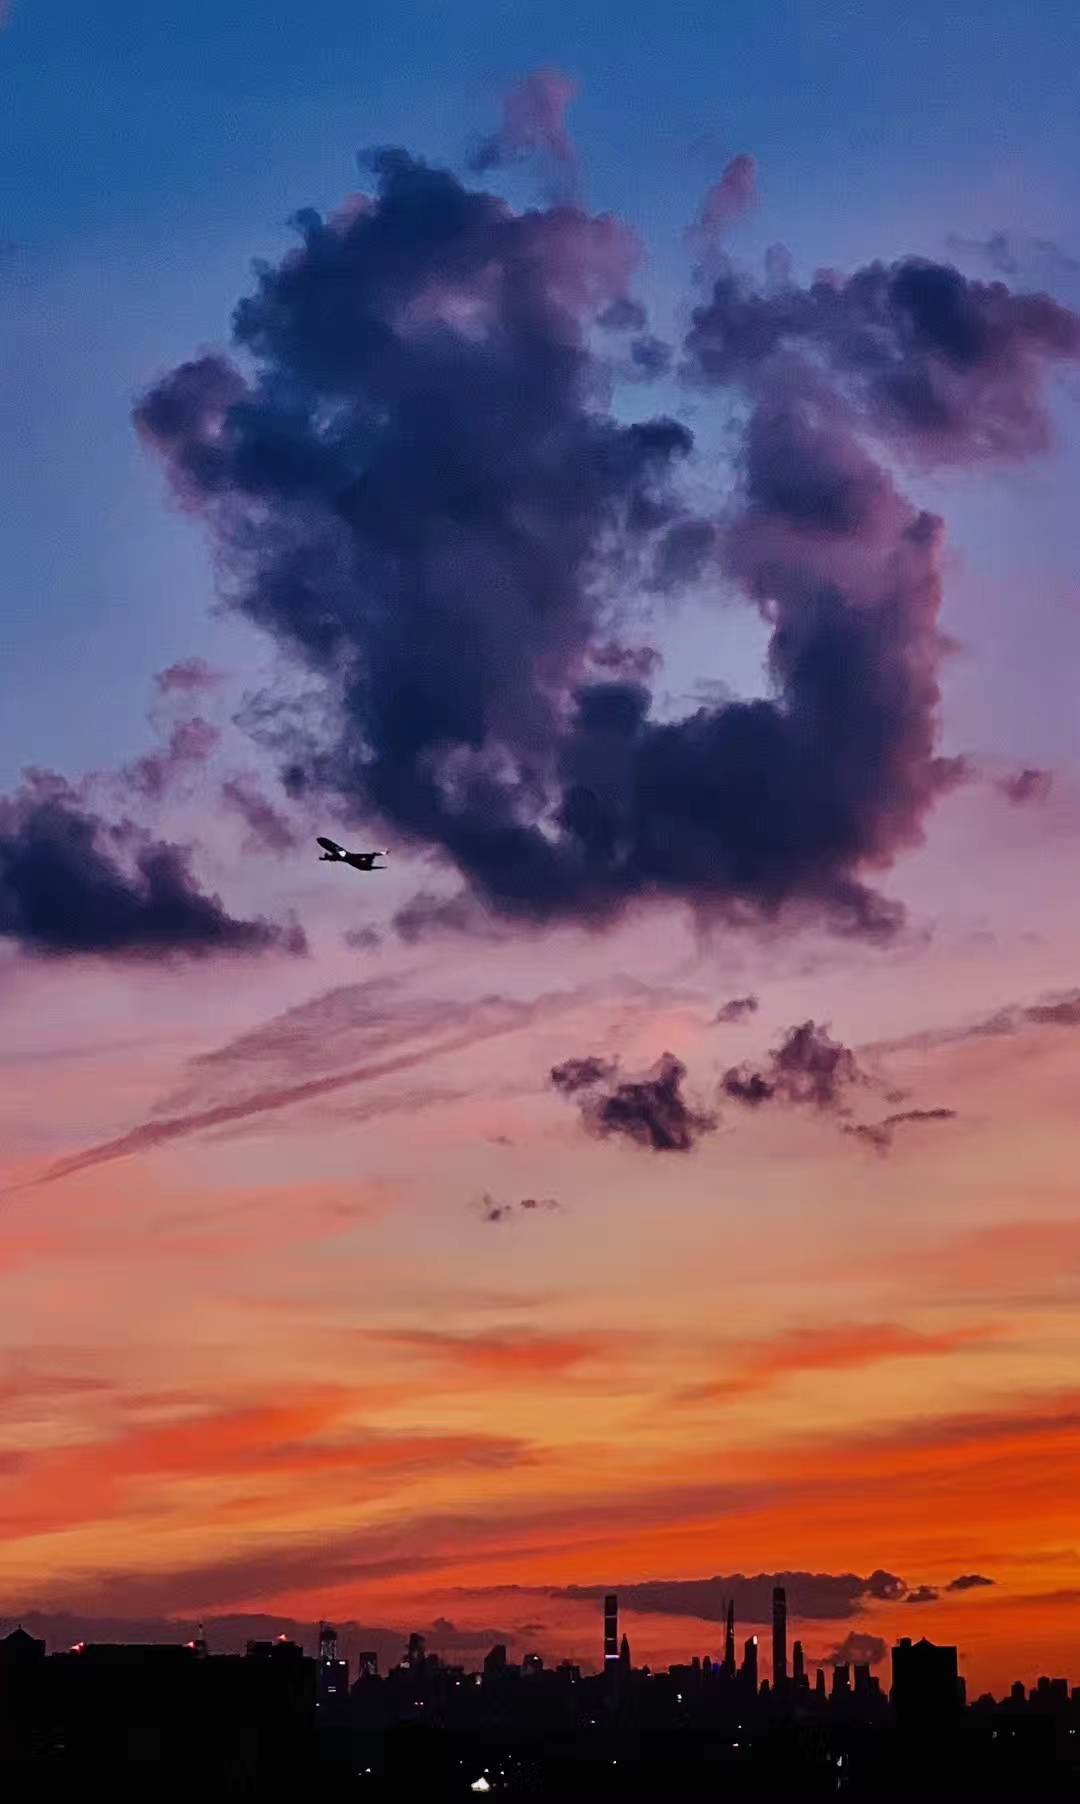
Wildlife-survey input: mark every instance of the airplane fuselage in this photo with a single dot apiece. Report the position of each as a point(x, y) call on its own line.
point(360, 861)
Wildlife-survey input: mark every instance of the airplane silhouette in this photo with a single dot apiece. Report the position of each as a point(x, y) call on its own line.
point(360, 861)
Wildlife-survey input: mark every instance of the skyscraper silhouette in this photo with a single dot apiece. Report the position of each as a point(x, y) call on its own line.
point(798, 1665)
point(779, 1638)
point(729, 1641)
point(926, 1686)
point(611, 1631)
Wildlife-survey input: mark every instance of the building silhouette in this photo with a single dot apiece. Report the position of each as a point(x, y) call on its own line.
point(178, 1720)
point(926, 1684)
point(779, 1638)
point(611, 1630)
point(333, 1671)
point(729, 1641)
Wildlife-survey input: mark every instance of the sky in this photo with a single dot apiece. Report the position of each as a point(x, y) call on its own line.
point(625, 465)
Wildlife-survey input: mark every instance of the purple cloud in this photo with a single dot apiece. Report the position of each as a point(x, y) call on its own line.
point(72, 884)
point(442, 521)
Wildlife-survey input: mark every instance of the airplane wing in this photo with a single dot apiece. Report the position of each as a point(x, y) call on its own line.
point(331, 846)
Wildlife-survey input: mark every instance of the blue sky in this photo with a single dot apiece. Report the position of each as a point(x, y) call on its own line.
point(149, 153)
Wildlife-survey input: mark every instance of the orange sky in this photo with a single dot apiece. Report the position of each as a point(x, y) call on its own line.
point(278, 1359)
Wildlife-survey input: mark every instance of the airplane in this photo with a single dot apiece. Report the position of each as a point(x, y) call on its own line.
point(360, 861)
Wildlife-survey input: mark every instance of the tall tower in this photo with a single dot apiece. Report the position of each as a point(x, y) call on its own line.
point(611, 1632)
point(729, 1641)
point(750, 1664)
point(332, 1670)
point(798, 1665)
point(779, 1638)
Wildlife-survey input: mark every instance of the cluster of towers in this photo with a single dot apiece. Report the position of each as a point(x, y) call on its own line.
point(617, 1655)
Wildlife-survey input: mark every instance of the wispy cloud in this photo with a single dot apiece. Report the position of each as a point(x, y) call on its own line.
point(761, 1365)
point(282, 1064)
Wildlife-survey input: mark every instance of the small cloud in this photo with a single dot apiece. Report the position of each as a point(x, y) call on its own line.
point(579, 1074)
point(650, 1110)
point(1006, 252)
point(740, 1008)
point(191, 676)
point(1063, 1012)
point(533, 121)
point(491, 1211)
point(996, 250)
point(745, 1086)
point(858, 1650)
point(362, 939)
point(727, 200)
point(879, 1134)
point(968, 1581)
point(922, 1594)
point(808, 1067)
point(1028, 785)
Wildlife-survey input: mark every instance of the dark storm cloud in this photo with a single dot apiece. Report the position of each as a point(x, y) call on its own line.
point(922, 1594)
point(72, 884)
point(420, 495)
point(268, 829)
point(740, 1008)
point(807, 1067)
point(968, 1581)
point(651, 1110)
point(858, 1650)
point(939, 364)
point(814, 1596)
point(1027, 785)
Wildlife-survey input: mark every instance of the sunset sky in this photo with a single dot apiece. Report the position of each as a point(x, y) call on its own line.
point(642, 498)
